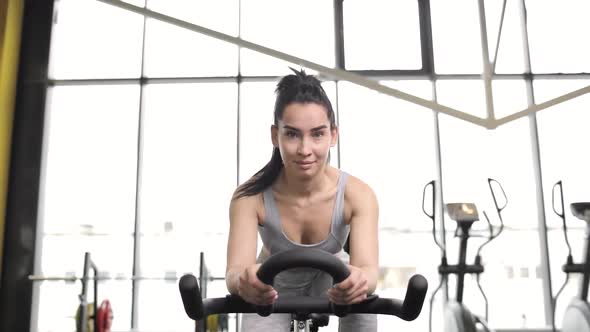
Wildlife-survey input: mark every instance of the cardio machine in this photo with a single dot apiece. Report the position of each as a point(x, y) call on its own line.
point(302, 308)
point(457, 317)
point(577, 314)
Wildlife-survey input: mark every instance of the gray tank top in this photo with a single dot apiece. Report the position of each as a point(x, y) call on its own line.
point(275, 240)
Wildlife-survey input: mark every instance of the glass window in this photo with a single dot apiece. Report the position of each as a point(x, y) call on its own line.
point(471, 154)
point(525, 310)
point(188, 173)
point(510, 57)
point(59, 303)
point(401, 256)
point(304, 29)
point(83, 45)
point(467, 96)
point(88, 197)
point(171, 51)
point(390, 39)
point(256, 117)
point(113, 254)
point(558, 47)
point(171, 316)
point(389, 144)
point(456, 38)
point(90, 159)
point(563, 132)
point(510, 96)
point(221, 15)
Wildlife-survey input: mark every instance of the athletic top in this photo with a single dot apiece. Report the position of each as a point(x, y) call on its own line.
point(275, 240)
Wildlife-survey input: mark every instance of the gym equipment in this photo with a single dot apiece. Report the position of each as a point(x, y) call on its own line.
point(457, 317)
point(302, 307)
point(89, 319)
point(201, 325)
point(577, 314)
point(102, 316)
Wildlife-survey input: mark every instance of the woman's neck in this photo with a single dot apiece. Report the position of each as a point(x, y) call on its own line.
point(305, 188)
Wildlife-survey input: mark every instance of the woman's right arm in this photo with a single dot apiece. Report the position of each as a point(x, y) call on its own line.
point(240, 275)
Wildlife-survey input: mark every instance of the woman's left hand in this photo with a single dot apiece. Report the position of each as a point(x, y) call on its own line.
point(352, 289)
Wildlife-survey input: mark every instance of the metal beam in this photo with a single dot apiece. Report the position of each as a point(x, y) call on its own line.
point(333, 73)
point(337, 74)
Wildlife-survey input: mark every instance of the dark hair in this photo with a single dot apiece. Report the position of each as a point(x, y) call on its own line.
point(293, 88)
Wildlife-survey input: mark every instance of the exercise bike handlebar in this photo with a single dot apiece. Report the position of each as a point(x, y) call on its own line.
point(198, 308)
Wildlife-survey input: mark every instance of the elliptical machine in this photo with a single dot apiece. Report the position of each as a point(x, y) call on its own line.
point(457, 317)
point(577, 314)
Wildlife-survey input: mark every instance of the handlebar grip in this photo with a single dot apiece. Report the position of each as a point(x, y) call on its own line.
point(412, 305)
point(302, 257)
point(191, 296)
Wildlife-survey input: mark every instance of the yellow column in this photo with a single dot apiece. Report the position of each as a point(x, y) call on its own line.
point(11, 13)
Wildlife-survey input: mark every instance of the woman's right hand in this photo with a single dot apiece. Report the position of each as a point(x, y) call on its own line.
point(254, 291)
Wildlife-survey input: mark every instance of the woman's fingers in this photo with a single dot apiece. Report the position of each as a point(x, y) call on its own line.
point(254, 291)
point(352, 290)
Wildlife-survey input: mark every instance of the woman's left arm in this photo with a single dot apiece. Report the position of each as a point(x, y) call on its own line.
point(364, 245)
point(364, 239)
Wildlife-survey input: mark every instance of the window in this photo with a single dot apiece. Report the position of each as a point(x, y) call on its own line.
point(551, 52)
point(389, 40)
point(88, 196)
point(140, 172)
point(304, 29)
point(504, 154)
point(562, 133)
point(389, 144)
point(456, 38)
point(83, 46)
point(188, 173)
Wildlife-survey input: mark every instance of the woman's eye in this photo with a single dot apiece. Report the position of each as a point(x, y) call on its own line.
point(291, 134)
point(318, 134)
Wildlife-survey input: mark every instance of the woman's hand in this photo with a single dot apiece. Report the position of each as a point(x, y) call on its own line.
point(254, 291)
point(352, 289)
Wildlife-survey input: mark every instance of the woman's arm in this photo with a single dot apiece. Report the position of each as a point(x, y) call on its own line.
point(364, 245)
point(364, 239)
point(242, 239)
point(240, 273)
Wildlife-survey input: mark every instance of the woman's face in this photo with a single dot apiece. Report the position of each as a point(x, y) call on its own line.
point(304, 138)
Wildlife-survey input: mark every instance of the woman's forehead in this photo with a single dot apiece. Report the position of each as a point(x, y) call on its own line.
point(305, 114)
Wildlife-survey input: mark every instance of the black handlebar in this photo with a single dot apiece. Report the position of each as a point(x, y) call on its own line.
point(313, 258)
point(197, 308)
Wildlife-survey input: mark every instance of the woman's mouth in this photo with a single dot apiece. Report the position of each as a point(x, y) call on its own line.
point(304, 164)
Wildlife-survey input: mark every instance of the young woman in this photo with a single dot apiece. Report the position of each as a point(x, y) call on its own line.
point(299, 200)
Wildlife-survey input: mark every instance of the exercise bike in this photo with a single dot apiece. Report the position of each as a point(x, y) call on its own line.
point(302, 308)
point(577, 314)
point(457, 317)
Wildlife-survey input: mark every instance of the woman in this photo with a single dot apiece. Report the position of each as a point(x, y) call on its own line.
point(299, 200)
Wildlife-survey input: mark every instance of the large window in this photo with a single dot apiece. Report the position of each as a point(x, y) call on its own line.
point(389, 144)
point(150, 127)
point(394, 32)
point(563, 134)
point(471, 155)
point(88, 196)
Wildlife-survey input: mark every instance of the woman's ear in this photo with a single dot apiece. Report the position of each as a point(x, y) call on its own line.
point(334, 132)
point(274, 135)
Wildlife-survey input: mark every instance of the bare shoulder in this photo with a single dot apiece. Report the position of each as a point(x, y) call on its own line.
point(357, 189)
point(359, 194)
point(245, 204)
